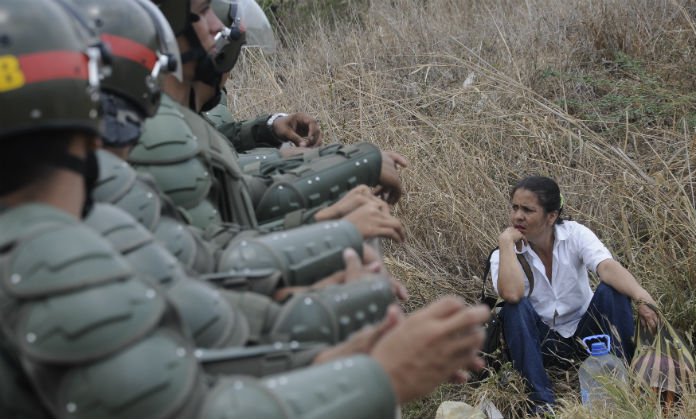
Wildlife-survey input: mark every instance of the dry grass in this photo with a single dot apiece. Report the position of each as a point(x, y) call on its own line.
point(598, 94)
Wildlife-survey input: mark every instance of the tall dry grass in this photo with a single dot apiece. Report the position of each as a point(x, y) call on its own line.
point(598, 94)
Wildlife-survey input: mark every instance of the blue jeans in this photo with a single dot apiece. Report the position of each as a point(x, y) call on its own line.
point(532, 345)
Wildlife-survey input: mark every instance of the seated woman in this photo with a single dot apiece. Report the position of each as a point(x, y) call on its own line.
point(544, 327)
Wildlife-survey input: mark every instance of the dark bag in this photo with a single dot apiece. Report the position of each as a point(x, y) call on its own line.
point(663, 360)
point(494, 351)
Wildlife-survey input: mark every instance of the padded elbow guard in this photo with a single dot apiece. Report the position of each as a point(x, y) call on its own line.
point(299, 256)
point(320, 180)
point(251, 161)
point(333, 313)
point(349, 388)
point(259, 361)
point(119, 185)
point(186, 245)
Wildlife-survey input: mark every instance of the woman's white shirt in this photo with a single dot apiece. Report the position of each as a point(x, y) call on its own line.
point(562, 302)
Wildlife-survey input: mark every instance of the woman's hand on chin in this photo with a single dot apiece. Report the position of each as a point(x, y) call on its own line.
point(509, 236)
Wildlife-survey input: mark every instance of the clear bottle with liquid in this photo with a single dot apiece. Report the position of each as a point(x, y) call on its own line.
point(598, 370)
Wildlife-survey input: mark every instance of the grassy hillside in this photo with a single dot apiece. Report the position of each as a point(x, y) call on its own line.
point(598, 94)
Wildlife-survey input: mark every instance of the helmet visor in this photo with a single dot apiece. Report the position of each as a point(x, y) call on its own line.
point(259, 33)
point(246, 16)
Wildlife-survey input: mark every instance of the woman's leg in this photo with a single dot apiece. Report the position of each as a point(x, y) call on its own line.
point(610, 313)
point(524, 332)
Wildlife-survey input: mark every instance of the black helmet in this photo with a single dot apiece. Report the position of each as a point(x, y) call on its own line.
point(50, 64)
point(142, 46)
point(177, 12)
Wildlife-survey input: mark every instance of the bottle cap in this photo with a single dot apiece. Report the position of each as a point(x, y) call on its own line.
point(603, 340)
point(599, 348)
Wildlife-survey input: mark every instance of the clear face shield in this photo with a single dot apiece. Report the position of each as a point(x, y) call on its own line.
point(246, 24)
point(259, 33)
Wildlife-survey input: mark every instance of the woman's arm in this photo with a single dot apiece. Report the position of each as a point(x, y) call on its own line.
point(615, 275)
point(510, 274)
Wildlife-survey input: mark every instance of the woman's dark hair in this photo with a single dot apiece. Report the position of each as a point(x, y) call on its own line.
point(546, 191)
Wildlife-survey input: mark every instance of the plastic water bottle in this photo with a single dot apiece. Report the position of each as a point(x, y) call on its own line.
point(600, 363)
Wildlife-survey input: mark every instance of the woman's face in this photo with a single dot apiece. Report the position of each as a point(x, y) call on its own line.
point(528, 216)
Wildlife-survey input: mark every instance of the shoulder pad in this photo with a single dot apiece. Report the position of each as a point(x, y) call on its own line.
point(213, 143)
point(142, 203)
point(156, 264)
point(133, 241)
point(203, 215)
point(212, 321)
point(243, 397)
point(219, 115)
point(89, 323)
point(29, 220)
point(118, 227)
point(177, 239)
point(157, 377)
point(116, 177)
point(184, 245)
point(186, 182)
point(166, 138)
point(61, 259)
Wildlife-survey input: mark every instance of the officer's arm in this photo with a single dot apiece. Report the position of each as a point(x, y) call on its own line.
point(242, 135)
point(299, 256)
point(355, 387)
point(322, 180)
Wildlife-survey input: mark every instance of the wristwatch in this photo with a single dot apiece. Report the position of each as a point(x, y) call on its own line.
point(273, 118)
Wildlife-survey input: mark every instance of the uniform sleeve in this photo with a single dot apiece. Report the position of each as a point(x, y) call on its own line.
point(243, 135)
point(591, 250)
point(249, 134)
point(354, 387)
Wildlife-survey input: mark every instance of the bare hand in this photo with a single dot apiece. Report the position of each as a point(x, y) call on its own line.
point(355, 198)
point(432, 346)
point(389, 187)
point(299, 128)
point(355, 269)
point(510, 235)
point(373, 220)
point(648, 317)
point(373, 264)
point(364, 340)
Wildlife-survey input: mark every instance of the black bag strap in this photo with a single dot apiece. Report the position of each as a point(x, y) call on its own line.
point(525, 267)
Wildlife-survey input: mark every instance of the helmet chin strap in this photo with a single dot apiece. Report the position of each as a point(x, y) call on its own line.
point(88, 168)
point(205, 71)
point(213, 101)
